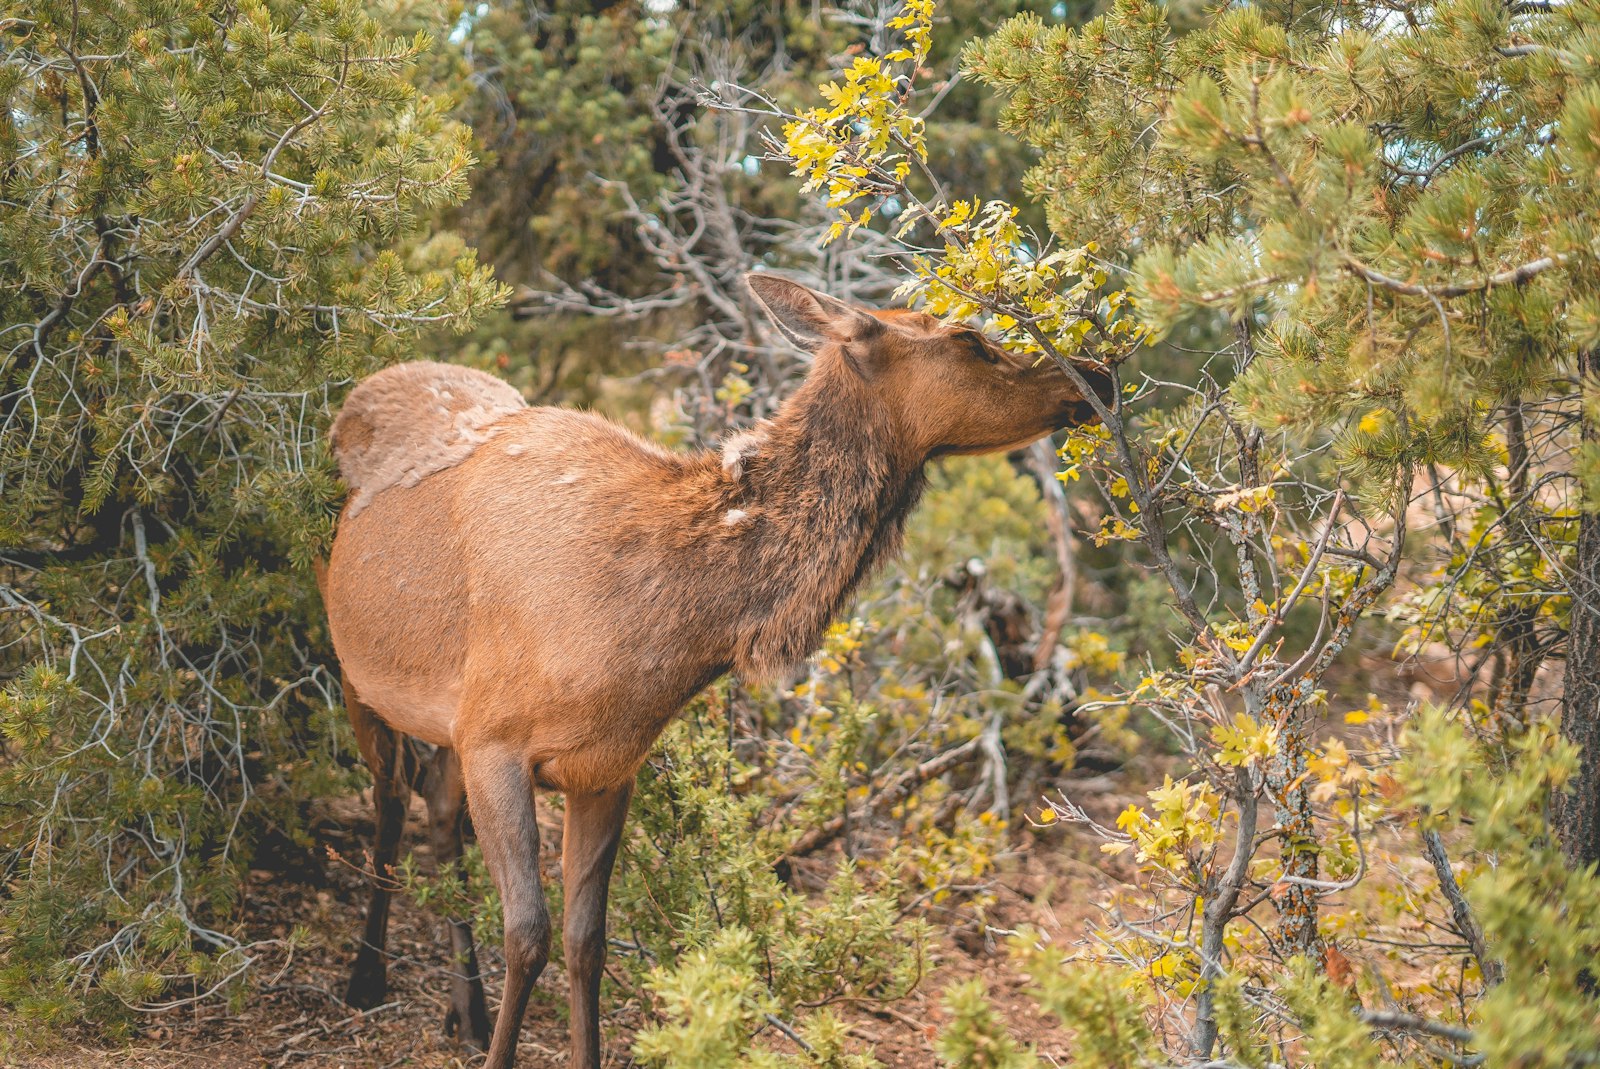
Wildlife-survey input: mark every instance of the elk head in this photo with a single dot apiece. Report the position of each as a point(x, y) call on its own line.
point(949, 388)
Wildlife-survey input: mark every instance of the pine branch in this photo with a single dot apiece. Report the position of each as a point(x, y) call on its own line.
point(1511, 277)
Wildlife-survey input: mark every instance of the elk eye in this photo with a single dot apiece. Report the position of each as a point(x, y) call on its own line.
point(979, 347)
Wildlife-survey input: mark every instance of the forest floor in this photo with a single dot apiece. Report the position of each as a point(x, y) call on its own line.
point(295, 1019)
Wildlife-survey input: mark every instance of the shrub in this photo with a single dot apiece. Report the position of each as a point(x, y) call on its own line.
point(206, 228)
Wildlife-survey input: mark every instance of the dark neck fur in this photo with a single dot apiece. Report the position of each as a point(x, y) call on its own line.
point(827, 490)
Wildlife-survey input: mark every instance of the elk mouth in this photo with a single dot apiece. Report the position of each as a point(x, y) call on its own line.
point(1100, 381)
point(1075, 414)
point(1080, 410)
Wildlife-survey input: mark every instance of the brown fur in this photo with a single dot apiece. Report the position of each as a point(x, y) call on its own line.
point(546, 598)
point(407, 422)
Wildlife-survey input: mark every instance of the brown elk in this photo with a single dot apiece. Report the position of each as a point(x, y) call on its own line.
point(537, 592)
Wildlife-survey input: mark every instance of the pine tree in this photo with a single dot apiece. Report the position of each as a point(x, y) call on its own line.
point(206, 213)
point(1375, 227)
point(626, 210)
point(1406, 206)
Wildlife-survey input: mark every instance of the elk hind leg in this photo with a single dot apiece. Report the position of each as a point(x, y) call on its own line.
point(445, 793)
point(386, 753)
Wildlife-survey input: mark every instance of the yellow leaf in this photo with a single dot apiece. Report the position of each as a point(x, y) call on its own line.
point(1166, 966)
point(960, 212)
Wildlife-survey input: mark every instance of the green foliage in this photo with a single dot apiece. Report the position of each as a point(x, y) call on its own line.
point(1321, 251)
point(976, 1038)
point(1334, 1037)
point(703, 861)
point(713, 1003)
point(1540, 915)
point(981, 507)
point(1539, 911)
point(1093, 1000)
point(207, 225)
point(1340, 171)
point(1099, 1003)
point(1374, 228)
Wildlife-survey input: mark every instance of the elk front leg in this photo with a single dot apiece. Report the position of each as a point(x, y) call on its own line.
point(500, 796)
point(384, 751)
point(588, 850)
point(446, 794)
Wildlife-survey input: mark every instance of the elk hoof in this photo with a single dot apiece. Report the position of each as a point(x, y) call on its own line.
point(474, 1037)
point(368, 986)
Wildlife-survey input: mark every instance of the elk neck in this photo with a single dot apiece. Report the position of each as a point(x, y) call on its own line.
point(825, 488)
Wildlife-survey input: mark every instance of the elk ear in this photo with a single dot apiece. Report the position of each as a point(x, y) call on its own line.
point(807, 318)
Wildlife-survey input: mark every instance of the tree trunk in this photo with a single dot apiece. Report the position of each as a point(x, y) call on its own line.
point(1042, 461)
point(1286, 775)
point(1520, 651)
point(1580, 700)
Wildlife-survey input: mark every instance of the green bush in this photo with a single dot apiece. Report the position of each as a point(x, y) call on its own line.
point(206, 232)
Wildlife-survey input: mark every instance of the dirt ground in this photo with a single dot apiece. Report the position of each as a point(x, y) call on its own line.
point(295, 1019)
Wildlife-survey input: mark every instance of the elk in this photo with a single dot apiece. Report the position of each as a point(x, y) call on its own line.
point(537, 592)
